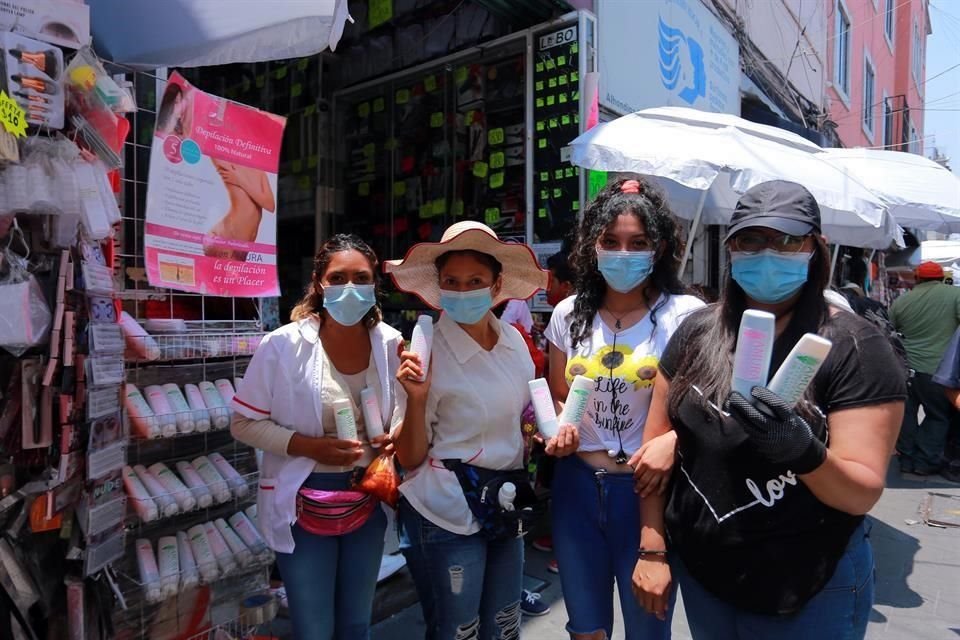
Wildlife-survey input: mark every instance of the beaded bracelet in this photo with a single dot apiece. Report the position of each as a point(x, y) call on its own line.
point(651, 552)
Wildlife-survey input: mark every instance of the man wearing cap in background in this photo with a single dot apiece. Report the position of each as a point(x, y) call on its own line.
point(927, 317)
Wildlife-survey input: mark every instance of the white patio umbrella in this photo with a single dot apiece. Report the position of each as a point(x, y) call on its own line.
point(148, 34)
point(918, 192)
point(706, 160)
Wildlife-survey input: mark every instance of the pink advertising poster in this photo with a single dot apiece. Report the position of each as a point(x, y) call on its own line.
point(211, 224)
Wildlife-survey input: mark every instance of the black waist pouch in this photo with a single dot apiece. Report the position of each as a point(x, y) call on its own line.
point(481, 487)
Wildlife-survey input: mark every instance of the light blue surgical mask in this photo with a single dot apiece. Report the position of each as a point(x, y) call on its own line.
point(769, 276)
point(624, 270)
point(466, 307)
point(348, 303)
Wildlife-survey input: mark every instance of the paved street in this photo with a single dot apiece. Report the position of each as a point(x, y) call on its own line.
point(918, 577)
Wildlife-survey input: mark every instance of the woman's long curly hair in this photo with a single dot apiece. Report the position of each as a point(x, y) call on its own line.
point(650, 208)
point(311, 305)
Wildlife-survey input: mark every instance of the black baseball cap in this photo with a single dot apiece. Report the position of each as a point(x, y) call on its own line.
point(779, 204)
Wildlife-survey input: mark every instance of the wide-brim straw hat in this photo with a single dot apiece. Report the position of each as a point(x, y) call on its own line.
point(417, 272)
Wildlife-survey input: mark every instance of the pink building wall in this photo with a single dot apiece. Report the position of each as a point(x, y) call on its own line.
point(891, 59)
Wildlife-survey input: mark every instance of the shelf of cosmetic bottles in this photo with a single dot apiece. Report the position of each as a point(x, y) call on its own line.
point(171, 347)
point(167, 426)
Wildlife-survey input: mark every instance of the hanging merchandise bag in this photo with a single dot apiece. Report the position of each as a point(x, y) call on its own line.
point(25, 315)
point(381, 480)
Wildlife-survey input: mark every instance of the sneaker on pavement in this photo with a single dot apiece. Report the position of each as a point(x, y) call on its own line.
point(552, 566)
point(530, 604)
point(543, 543)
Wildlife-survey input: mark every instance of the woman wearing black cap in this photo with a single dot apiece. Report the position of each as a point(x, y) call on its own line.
point(763, 527)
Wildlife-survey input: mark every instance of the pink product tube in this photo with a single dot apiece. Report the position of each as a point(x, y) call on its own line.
point(193, 480)
point(143, 505)
point(248, 533)
point(168, 506)
point(188, 564)
point(234, 479)
point(219, 414)
point(201, 416)
point(220, 549)
point(240, 551)
point(157, 399)
point(212, 478)
point(139, 342)
point(174, 486)
point(226, 390)
point(149, 573)
point(144, 423)
point(203, 553)
point(182, 413)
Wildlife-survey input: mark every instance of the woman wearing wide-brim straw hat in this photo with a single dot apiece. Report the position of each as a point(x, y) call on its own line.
point(464, 420)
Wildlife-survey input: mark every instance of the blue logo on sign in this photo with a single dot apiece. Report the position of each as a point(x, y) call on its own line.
point(672, 68)
point(190, 152)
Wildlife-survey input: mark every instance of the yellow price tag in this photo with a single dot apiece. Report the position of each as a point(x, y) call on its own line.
point(557, 192)
point(457, 209)
point(460, 76)
point(551, 100)
point(561, 60)
point(495, 136)
point(558, 174)
point(369, 149)
point(539, 67)
point(426, 210)
point(491, 215)
point(496, 180)
point(551, 65)
point(539, 85)
point(576, 205)
point(399, 188)
point(363, 189)
point(568, 172)
point(403, 96)
point(363, 109)
point(575, 76)
point(542, 143)
point(379, 12)
point(554, 123)
point(565, 119)
point(574, 48)
point(280, 73)
point(541, 125)
point(544, 194)
point(436, 120)
point(439, 206)
point(562, 80)
point(542, 212)
point(13, 117)
point(539, 102)
point(302, 63)
point(497, 160)
point(480, 169)
point(552, 83)
point(310, 110)
point(544, 176)
point(563, 98)
point(296, 90)
point(378, 105)
point(430, 83)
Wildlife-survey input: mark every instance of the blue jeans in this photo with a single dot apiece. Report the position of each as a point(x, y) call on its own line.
point(922, 445)
point(839, 612)
point(596, 533)
point(331, 580)
point(469, 586)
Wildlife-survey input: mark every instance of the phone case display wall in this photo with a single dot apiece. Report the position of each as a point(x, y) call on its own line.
point(424, 151)
point(556, 112)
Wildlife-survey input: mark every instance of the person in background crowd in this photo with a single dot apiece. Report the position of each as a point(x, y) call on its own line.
point(628, 304)
point(948, 376)
point(860, 303)
point(764, 528)
point(517, 313)
point(927, 317)
point(336, 347)
point(462, 429)
point(561, 278)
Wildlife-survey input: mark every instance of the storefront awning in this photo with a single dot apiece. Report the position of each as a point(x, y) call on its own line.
point(148, 34)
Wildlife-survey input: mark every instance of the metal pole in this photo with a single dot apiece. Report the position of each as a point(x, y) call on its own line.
point(692, 234)
point(833, 261)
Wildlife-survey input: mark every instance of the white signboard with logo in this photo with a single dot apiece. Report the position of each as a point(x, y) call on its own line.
point(656, 53)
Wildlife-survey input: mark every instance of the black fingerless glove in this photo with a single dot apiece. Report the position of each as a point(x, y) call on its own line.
point(778, 433)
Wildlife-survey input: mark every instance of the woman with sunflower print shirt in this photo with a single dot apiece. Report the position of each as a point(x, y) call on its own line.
point(628, 304)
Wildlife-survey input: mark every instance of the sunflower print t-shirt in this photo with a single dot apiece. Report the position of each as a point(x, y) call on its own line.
point(623, 365)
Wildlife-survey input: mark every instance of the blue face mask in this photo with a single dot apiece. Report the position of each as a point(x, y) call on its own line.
point(348, 303)
point(769, 276)
point(466, 307)
point(624, 270)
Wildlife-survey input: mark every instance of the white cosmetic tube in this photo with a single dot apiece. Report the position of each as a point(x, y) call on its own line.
point(578, 399)
point(141, 415)
point(251, 513)
point(240, 551)
point(219, 414)
point(143, 504)
point(372, 420)
point(214, 481)
point(174, 486)
point(168, 506)
point(543, 407)
point(149, 574)
point(234, 479)
point(157, 399)
point(203, 553)
point(201, 417)
point(168, 559)
point(182, 413)
point(197, 487)
point(421, 342)
point(225, 387)
point(188, 565)
point(798, 369)
point(248, 533)
point(751, 362)
point(221, 551)
point(345, 419)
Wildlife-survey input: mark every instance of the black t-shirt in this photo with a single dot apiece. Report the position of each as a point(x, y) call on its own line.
point(748, 531)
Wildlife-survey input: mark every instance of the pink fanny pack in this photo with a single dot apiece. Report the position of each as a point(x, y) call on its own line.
point(333, 513)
